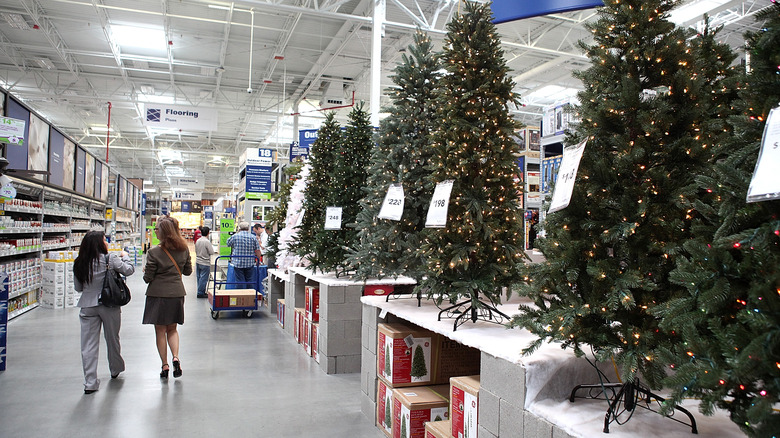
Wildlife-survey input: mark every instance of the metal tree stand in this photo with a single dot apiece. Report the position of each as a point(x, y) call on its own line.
point(625, 398)
point(474, 309)
point(402, 292)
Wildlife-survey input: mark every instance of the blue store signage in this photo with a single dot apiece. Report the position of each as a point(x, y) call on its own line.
point(259, 164)
point(510, 10)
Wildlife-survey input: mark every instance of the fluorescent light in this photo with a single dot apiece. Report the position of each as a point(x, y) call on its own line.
point(148, 182)
point(694, 10)
point(101, 129)
point(138, 37)
point(149, 189)
point(16, 21)
point(45, 63)
point(550, 94)
point(223, 8)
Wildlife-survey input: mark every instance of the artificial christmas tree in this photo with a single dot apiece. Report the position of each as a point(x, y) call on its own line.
point(403, 427)
point(418, 363)
point(646, 100)
point(318, 188)
point(388, 355)
point(278, 216)
point(341, 186)
point(388, 247)
point(388, 415)
point(730, 318)
point(480, 249)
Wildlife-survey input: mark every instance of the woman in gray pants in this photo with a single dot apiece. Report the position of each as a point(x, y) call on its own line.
point(89, 270)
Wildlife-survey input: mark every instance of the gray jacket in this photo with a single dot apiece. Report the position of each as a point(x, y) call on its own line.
point(90, 292)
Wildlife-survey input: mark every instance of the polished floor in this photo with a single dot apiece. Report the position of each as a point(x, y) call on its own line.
point(242, 378)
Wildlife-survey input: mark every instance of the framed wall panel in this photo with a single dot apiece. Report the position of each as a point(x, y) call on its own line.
point(81, 162)
point(56, 157)
point(98, 178)
point(89, 176)
point(69, 164)
point(104, 184)
point(38, 146)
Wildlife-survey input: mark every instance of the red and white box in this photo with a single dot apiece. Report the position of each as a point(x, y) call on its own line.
point(413, 407)
point(438, 429)
point(307, 336)
point(298, 325)
point(405, 355)
point(378, 290)
point(464, 404)
point(280, 312)
point(384, 407)
point(313, 339)
point(313, 303)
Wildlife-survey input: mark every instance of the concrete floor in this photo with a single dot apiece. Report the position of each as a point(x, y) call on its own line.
point(242, 378)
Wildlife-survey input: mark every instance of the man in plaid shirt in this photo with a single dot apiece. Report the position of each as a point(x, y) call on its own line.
point(244, 243)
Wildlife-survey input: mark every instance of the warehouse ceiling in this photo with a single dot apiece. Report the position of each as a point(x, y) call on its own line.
point(68, 59)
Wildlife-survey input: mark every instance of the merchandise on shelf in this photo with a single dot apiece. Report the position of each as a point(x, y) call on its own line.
point(21, 205)
point(19, 246)
point(314, 341)
point(464, 404)
point(57, 291)
point(312, 303)
point(280, 312)
point(23, 276)
point(413, 407)
point(438, 429)
point(384, 407)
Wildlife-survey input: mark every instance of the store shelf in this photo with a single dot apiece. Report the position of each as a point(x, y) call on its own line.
point(56, 230)
point(14, 252)
point(19, 312)
point(56, 213)
point(58, 246)
point(17, 230)
point(21, 292)
point(16, 209)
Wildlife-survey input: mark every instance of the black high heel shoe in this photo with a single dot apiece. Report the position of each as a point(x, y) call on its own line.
point(176, 367)
point(164, 372)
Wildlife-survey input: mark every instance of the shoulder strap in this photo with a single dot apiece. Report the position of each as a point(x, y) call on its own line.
point(108, 263)
point(174, 261)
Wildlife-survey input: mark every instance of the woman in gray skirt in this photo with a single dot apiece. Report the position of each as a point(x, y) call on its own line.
point(164, 267)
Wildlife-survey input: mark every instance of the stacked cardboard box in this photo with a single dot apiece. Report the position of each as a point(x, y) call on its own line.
point(280, 312)
point(298, 325)
point(438, 429)
point(411, 361)
point(312, 303)
point(53, 280)
point(314, 340)
point(464, 404)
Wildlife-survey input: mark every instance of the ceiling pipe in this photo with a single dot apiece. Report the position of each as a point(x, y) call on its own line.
point(108, 130)
point(251, 45)
point(328, 108)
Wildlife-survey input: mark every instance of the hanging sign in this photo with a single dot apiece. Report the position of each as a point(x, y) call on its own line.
point(259, 164)
point(12, 130)
point(187, 196)
point(393, 205)
point(567, 173)
point(333, 218)
point(187, 118)
point(440, 204)
point(298, 153)
point(765, 184)
point(510, 10)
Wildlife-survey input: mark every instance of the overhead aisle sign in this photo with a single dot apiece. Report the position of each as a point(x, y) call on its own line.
point(259, 164)
point(510, 10)
point(188, 118)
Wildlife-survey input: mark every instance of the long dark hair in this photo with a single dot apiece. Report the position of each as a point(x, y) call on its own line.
point(169, 234)
point(92, 247)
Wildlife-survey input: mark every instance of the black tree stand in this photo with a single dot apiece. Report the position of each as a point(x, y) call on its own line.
point(401, 292)
point(474, 309)
point(626, 397)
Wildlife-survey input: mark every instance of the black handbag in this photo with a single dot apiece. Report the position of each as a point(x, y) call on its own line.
point(115, 292)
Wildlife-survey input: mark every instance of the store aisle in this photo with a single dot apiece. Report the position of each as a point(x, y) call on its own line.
point(242, 378)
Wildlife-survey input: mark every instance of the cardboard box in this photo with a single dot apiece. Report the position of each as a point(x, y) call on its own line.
point(405, 355)
point(454, 359)
point(438, 429)
point(235, 298)
point(384, 407)
point(464, 403)
point(413, 407)
point(306, 336)
point(298, 328)
point(312, 303)
point(378, 290)
point(280, 312)
point(314, 339)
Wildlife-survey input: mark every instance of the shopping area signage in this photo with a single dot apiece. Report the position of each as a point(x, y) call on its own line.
point(12, 130)
point(188, 118)
point(189, 196)
point(510, 10)
point(188, 183)
point(298, 152)
point(259, 164)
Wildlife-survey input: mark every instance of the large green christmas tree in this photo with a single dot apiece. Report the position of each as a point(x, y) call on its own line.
point(318, 188)
point(645, 102)
point(387, 247)
point(481, 248)
point(730, 318)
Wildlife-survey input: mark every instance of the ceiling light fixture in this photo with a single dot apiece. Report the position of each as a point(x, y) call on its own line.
point(138, 37)
point(16, 21)
point(45, 63)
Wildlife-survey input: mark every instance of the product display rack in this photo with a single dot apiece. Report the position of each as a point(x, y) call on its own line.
point(125, 227)
point(39, 219)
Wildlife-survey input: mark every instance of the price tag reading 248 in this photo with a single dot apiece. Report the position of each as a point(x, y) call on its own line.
point(440, 202)
point(393, 205)
point(333, 218)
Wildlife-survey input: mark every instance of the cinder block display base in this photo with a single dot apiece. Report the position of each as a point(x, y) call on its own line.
point(523, 396)
point(276, 280)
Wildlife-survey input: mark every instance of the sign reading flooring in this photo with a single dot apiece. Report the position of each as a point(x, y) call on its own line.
point(186, 118)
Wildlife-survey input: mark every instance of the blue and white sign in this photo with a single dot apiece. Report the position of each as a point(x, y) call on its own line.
point(208, 212)
point(189, 196)
point(143, 204)
point(306, 137)
point(510, 10)
point(165, 207)
point(259, 164)
point(187, 118)
point(298, 152)
point(188, 183)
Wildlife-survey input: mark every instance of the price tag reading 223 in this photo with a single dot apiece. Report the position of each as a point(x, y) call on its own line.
point(393, 205)
point(440, 202)
point(333, 218)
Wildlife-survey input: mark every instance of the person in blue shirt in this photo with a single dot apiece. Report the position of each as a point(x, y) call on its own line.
point(244, 243)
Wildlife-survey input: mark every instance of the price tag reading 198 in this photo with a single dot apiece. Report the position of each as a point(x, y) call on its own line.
point(393, 205)
point(333, 218)
point(437, 211)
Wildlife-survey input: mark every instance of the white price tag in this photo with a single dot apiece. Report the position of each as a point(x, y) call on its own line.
point(8, 191)
point(765, 184)
point(567, 173)
point(440, 204)
point(393, 205)
point(333, 218)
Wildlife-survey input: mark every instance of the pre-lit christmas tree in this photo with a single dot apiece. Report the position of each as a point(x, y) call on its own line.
point(730, 319)
point(645, 102)
point(387, 247)
point(418, 363)
point(344, 179)
point(481, 248)
point(318, 187)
